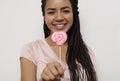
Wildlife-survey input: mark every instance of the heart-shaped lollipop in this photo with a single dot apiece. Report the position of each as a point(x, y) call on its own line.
point(59, 37)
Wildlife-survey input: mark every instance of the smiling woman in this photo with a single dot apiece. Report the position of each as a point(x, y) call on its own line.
point(58, 15)
point(40, 60)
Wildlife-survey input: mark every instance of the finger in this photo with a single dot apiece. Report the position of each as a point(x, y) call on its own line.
point(61, 71)
point(53, 70)
point(49, 73)
point(45, 77)
point(59, 68)
point(57, 78)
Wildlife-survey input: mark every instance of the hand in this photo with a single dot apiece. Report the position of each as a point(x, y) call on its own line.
point(52, 72)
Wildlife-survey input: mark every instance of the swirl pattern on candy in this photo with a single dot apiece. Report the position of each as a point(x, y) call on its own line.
point(59, 37)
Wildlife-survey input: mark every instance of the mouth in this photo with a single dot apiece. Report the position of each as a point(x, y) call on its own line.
point(59, 26)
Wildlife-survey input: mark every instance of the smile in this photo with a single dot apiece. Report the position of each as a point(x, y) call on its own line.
point(59, 26)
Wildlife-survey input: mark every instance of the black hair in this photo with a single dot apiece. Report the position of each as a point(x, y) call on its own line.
point(77, 52)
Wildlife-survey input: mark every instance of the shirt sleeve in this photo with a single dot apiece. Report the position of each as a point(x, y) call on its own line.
point(28, 53)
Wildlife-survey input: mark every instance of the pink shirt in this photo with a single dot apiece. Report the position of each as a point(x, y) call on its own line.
point(40, 53)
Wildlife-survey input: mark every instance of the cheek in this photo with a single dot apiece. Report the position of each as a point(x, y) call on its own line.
point(70, 18)
point(70, 21)
point(48, 19)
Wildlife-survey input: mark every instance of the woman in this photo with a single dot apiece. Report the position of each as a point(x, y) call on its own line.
point(40, 60)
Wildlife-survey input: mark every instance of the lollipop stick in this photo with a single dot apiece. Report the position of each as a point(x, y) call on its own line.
point(60, 53)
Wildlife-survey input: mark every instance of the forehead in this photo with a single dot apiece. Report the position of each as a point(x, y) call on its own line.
point(57, 3)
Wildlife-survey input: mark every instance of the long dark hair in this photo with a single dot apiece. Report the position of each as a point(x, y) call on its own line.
point(77, 51)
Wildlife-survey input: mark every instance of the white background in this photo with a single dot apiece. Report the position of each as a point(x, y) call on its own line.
point(21, 22)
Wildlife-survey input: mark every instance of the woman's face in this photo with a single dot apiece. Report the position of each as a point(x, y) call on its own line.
point(58, 15)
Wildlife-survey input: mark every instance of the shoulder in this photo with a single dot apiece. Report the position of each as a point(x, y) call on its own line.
point(34, 47)
point(31, 50)
point(92, 56)
point(33, 43)
point(91, 52)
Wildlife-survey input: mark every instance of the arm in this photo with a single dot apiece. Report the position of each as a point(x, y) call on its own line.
point(28, 70)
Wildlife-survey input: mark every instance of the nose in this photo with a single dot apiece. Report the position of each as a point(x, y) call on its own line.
point(59, 17)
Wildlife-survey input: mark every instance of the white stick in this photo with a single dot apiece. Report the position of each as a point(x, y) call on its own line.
point(60, 53)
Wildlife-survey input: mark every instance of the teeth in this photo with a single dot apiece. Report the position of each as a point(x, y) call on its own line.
point(59, 25)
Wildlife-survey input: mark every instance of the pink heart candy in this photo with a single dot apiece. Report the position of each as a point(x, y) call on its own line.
point(59, 37)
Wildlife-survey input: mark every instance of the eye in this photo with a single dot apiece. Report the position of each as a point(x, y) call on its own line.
point(51, 13)
point(66, 11)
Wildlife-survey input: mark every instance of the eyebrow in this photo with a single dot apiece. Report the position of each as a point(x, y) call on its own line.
point(65, 7)
point(61, 8)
